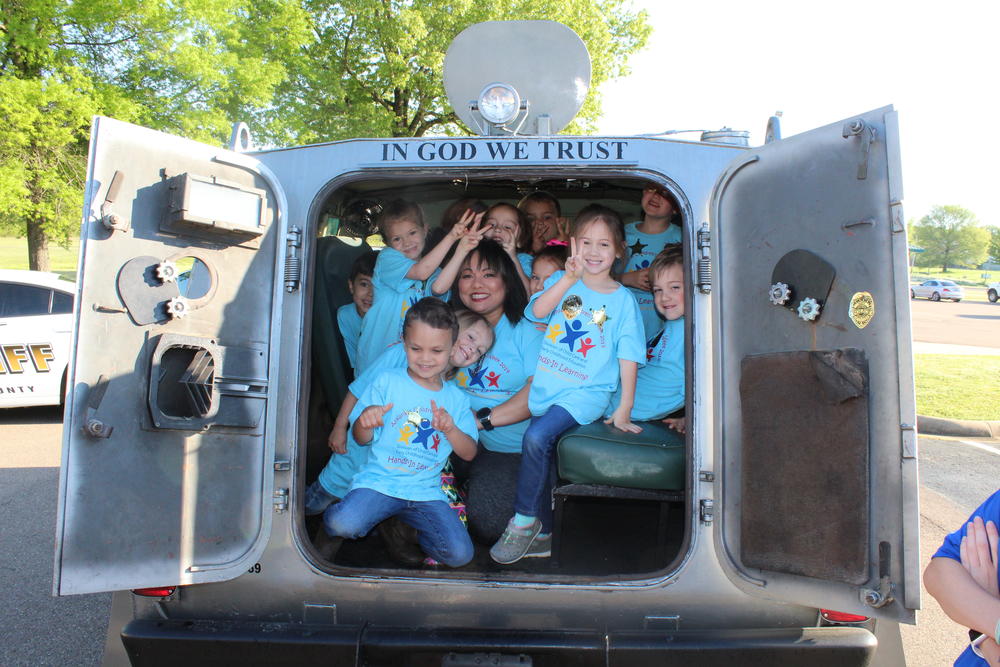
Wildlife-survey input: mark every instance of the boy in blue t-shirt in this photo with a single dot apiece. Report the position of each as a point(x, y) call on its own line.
point(659, 387)
point(413, 419)
point(402, 276)
point(362, 292)
point(962, 576)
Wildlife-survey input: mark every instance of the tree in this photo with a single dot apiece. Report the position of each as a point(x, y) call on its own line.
point(951, 236)
point(187, 68)
point(374, 67)
point(994, 247)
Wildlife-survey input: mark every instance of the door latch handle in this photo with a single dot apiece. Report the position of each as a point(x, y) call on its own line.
point(858, 127)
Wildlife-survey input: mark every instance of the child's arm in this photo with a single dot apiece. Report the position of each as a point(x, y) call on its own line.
point(621, 418)
point(369, 420)
point(678, 424)
point(548, 300)
point(338, 435)
point(466, 244)
point(461, 443)
point(428, 264)
point(638, 279)
point(509, 244)
point(961, 598)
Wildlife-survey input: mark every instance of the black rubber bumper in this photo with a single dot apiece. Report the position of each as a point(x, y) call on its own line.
point(191, 643)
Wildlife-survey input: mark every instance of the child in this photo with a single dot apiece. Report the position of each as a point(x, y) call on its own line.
point(644, 239)
point(508, 226)
point(413, 419)
point(962, 577)
point(475, 337)
point(659, 387)
point(349, 315)
point(552, 258)
point(401, 275)
point(593, 342)
point(544, 216)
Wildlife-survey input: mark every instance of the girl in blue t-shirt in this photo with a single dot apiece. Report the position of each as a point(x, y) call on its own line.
point(962, 577)
point(402, 275)
point(593, 342)
point(509, 227)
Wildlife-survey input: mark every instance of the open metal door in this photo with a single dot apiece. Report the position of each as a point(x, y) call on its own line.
point(814, 371)
point(167, 435)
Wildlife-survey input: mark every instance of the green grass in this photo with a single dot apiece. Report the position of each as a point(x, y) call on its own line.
point(967, 277)
point(958, 386)
point(14, 255)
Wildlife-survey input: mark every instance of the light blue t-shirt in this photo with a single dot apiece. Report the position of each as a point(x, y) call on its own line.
point(336, 476)
point(641, 250)
point(503, 372)
point(407, 453)
point(526, 260)
point(349, 322)
point(951, 548)
point(659, 386)
point(585, 337)
point(394, 293)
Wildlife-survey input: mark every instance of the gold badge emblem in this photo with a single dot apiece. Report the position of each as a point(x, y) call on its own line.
point(599, 317)
point(862, 309)
point(572, 306)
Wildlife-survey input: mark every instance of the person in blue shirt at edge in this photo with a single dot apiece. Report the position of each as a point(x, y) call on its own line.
point(659, 386)
point(644, 239)
point(402, 276)
point(413, 419)
point(593, 342)
point(489, 284)
point(508, 226)
point(962, 576)
point(474, 337)
point(350, 314)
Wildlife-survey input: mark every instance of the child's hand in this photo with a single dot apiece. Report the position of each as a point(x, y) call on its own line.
point(638, 279)
point(506, 239)
point(978, 551)
point(441, 421)
point(678, 424)
point(622, 420)
point(337, 440)
point(562, 229)
point(371, 417)
point(574, 263)
point(464, 224)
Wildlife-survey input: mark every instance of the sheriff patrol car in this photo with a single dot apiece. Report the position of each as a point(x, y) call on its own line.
point(36, 323)
point(199, 409)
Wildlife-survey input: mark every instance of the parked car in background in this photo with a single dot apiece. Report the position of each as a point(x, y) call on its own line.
point(36, 330)
point(935, 290)
point(992, 292)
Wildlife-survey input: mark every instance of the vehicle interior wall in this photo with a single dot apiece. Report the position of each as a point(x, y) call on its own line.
point(621, 533)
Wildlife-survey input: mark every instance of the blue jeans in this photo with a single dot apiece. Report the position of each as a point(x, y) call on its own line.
point(318, 499)
point(442, 534)
point(535, 478)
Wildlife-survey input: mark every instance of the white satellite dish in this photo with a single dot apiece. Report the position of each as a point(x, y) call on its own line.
point(503, 77)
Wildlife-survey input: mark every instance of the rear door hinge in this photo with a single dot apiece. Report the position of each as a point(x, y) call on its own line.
point(707, 510)
point(293, 262)
point(704, 259)
point(280, 500)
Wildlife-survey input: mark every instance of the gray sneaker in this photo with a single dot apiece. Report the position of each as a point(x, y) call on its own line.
point(541, 546)
point(515, 543)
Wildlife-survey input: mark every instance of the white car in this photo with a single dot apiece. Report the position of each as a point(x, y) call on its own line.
point(36, 330)
point(992, 292)
point(935, 290)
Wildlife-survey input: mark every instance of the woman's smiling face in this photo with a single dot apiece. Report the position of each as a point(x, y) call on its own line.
point(481, 289)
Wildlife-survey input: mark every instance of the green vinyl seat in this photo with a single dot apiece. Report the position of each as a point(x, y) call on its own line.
point(601, 454)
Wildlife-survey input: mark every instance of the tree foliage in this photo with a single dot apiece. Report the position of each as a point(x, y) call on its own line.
point(374, 67)
point(950, 236)
point(187, 68)
point(993, 250)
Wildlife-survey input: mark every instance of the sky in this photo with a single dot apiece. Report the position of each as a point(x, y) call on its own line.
point(714, 64)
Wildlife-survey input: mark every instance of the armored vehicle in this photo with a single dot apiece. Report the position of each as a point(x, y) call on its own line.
point(198, 408)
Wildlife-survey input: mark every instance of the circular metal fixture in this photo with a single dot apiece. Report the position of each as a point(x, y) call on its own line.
point(499, 103)
point(177, 307)
point(779, 294)
point(808, 309)
point(166, 271)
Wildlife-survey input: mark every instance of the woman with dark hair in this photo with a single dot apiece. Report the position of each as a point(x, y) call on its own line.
point(488, 283)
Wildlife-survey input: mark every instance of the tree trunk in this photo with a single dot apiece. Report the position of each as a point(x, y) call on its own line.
point(38, 247)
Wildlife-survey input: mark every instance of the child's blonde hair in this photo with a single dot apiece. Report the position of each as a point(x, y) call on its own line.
point(671, 255)
point(593, 213)
point(396, 210)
